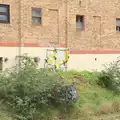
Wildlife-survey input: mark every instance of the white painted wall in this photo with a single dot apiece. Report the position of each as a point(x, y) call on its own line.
point(76, 61)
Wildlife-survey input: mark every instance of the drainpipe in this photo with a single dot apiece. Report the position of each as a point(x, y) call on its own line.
point(20, 34)
point(66, 22)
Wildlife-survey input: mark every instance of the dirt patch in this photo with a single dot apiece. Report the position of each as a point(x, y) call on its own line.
point(79, 80)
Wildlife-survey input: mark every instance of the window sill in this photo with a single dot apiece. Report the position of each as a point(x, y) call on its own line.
point(5, 24)
point(1, 22)
point(78, 30)
point(37, 24)
point(117, 32)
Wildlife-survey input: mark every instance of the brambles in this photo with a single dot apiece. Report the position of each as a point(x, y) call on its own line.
point(31, 93)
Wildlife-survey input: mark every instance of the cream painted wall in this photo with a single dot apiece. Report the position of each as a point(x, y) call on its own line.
point(12, 52)
point(76, 61)
point(36, 52)
point(88, 62)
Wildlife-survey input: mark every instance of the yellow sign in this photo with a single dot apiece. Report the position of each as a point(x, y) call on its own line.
point(57, 58)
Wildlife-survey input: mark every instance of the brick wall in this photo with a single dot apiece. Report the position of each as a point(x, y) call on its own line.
point(100, 23)
point(10, 32)
point(52, 28)
point(49, 29)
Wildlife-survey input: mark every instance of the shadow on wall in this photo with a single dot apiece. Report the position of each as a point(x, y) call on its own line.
point(6, 63)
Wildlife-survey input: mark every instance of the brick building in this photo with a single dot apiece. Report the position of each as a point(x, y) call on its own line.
point(46, 24)
point(85, 26)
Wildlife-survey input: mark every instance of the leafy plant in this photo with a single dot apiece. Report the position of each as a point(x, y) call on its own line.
point(30, 92)
point(110, 77)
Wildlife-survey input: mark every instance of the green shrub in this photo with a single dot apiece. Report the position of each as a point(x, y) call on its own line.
point(32, 93)
point(92, 77)
point(110, 76)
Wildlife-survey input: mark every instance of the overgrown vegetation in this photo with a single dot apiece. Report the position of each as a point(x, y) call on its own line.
point(32, 93)
point(110, 77)
point(36, 94)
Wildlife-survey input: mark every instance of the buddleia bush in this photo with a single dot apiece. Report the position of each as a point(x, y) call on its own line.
point(31, 92)
point(110, 76)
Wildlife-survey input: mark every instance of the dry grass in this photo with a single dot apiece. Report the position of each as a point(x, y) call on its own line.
point(106, 108)
point(4, 115)
point(116, 106)
point(109, 108)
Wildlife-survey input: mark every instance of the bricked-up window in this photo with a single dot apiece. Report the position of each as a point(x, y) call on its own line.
point(4, 13)
point(36, 15)
point(118, 25)
point(80, 22)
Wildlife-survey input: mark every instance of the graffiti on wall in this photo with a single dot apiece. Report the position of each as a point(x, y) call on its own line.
point(56, 58)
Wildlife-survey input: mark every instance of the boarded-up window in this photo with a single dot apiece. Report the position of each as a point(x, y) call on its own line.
point(96, 32)
point(53, 25)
